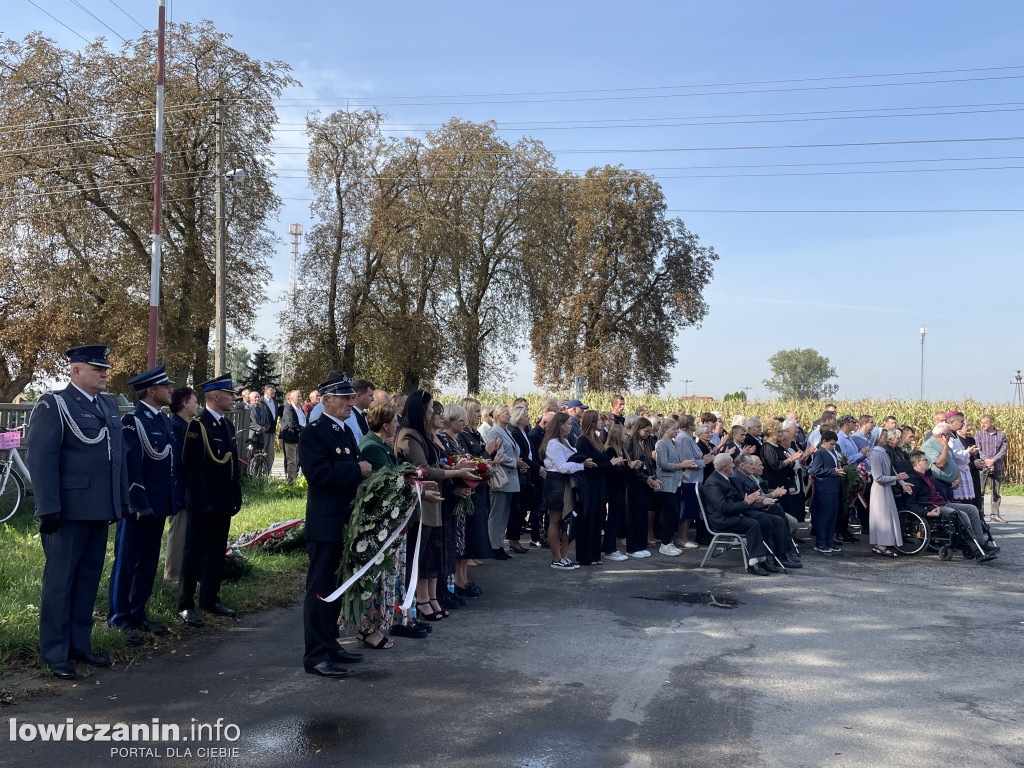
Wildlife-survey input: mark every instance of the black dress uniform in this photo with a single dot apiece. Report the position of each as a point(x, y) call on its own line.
point(209, 463)
point(329, 458)
point(76, 457)
point(152, 498)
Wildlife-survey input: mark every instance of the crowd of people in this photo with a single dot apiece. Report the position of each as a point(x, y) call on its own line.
point(589, 487)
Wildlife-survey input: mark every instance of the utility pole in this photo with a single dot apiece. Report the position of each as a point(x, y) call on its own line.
point(686, 387)
point(923, 332)
point(154, 265)
point(1018, 390)
point(220, 345)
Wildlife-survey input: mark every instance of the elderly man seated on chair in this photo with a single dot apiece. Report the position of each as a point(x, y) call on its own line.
point(766, 510)
point(729, 511)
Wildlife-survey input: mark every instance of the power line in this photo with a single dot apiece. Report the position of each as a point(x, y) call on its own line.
point(101, 21)
point(85, 120)
point(371, 101)
point(889, 210)
point(69, 29)
point(122, 10)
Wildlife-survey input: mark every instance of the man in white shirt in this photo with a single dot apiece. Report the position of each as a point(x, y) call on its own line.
point(271, 417)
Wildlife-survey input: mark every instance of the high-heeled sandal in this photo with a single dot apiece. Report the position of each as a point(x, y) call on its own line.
point(381, 645)
point(439, 609)
point(433, 616)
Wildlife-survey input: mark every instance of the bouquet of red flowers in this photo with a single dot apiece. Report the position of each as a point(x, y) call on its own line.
point(479, 465)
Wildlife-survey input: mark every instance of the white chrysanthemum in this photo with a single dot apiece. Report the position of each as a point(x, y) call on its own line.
point(362, 545)
point(399, 482)
point(382, 536)
point(380, 559)
point(365, 595)
point(394, 514)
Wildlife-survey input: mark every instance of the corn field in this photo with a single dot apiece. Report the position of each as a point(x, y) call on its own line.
point(914, 413)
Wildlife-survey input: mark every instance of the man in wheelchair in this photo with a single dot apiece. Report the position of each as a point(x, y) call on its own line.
point(924, 498)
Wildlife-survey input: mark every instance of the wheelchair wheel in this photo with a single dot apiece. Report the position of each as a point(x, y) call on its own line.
point(945, 553)
point(915, 532)
point(969, 553)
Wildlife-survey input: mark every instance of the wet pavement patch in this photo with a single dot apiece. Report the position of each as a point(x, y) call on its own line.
point(718, 600)
point(309, 735)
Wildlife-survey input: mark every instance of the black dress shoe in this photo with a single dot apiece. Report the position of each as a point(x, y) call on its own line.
point(771, 567)
point(466, 591)
point(500, 554)
point(417, 624)
point(401, 630)
point(192, 617)
point(790, 563)
point(328, 669)
point(151, 628)
point(219, 609)
point(131, 634)
point(447, 600)
point(515, 547)
point(63, 670)
point(345, 657)
point(90, 658)
point(759, 570)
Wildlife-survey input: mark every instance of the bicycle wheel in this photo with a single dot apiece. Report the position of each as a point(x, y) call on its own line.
point(12, 491)
point(259, 466)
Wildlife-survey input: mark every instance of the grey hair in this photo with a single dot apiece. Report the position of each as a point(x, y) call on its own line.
point(790, 423)
point(518, 414)
point(941, 429)
point(752, 422)
point(893, 433)
point(454, 411)
point(487, 410)
point(721, 460)
point(701, 429)
point(631, 421)
point(744, 459)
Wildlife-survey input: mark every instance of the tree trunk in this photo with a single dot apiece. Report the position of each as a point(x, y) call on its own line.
point(410, 381)
point(12, 389)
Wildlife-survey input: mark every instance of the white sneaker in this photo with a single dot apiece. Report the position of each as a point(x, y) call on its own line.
point(639, 554)
point(616, 557)
point(670, 550)
point(689, 545)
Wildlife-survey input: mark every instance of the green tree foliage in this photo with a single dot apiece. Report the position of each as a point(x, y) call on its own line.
point(76, 196)
point(801, 374)
point(262, 370)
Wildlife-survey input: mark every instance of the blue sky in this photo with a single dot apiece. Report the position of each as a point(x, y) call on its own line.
point(855, 286)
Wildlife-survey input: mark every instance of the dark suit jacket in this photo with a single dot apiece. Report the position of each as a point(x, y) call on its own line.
point(212, 474)
point(751, 440)
point(526, 450)
point(151, 482)
point(70, 478)
point(536, 436)
point(724, 502)
point(290, 427)
point(329, 458)
point(822, 470)
point(179, 427)
point(746, 484)
point(268, 418)
point(920, 500)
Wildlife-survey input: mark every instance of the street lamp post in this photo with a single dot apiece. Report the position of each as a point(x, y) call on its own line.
point(923, 332)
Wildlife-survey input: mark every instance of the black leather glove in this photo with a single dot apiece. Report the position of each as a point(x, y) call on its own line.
point(49, 523)
point(141, 513)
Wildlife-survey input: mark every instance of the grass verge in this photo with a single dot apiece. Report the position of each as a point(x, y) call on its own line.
point(273, 580)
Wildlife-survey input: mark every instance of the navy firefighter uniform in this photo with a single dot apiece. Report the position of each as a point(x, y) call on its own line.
point(152, 498)
point(76, 457)
point(209, 461)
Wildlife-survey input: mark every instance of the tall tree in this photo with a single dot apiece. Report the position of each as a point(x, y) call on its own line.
point(799, 374)
point(618, 281)
point(76, 185)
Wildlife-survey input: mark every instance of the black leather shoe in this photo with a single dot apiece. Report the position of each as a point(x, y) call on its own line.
point(466, 591)
point(131, 634)
point(422, 625)
point(401, 630)
point(447, 600)
point(345, 657)
point(192, 617)
point(500, 554)
point(791, 563)
point(63, 670)
point(771, 567)
point(759, 570)
point(328, 669)
point(90, 658)
point(151, 628)
point(219, 609)
point(517, 548)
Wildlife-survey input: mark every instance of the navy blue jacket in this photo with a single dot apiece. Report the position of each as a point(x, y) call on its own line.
point(151, 481)
point(329, 458)
point(179, 427)
point(822, 469)
point(746, 484)
point(725, 504)
point(72, 479)
point(210, 466)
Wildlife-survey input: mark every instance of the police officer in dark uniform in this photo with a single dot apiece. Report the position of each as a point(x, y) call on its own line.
point(330, 462)
point(152, 498)
point(76, 457)
point(214, 494)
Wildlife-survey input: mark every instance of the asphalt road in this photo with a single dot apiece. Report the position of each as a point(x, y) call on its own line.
point(854, 661)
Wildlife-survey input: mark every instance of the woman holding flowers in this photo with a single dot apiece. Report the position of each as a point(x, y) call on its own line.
point(454, 420)
point(417, 443)
point(478, 543)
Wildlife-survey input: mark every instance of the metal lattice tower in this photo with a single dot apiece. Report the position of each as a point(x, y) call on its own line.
point(296, 232)
point(1018, 390)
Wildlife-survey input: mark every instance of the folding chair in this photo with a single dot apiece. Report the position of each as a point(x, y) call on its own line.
point(724, 540)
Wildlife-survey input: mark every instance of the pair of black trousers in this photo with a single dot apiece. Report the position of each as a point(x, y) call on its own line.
point(206, 541)
point(320, 618)
point(748, 528)
point(615, 526)
point(136, 552)
point(669, 515)
point(775, 531)
point(588, 535)
point(638, 502)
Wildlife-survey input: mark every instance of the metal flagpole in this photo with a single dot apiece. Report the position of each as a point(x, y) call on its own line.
point(154, 269)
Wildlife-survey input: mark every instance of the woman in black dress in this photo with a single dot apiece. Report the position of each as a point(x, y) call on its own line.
point(478, 542)
point(642, 481)
point(616, 479)
point(593, 488)
point(778, 466)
